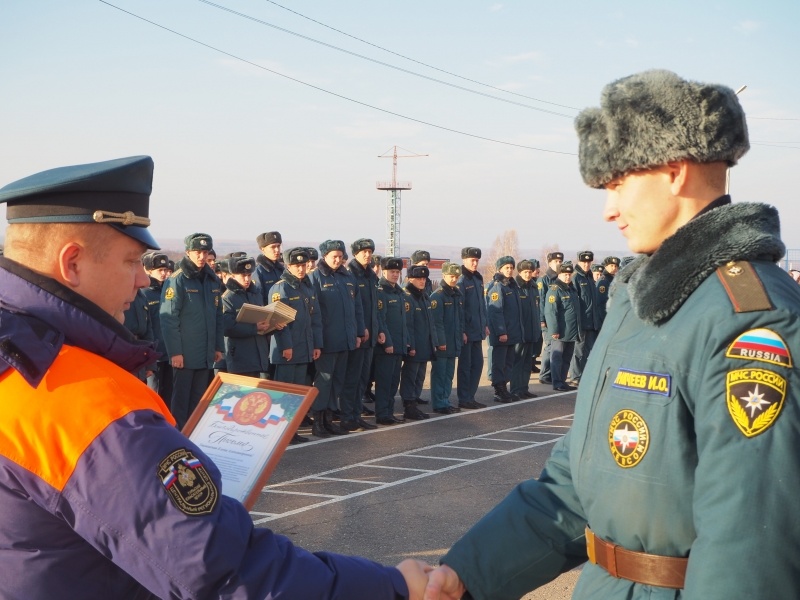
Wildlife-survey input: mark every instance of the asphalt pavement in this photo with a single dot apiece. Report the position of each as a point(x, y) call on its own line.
point(411, 490)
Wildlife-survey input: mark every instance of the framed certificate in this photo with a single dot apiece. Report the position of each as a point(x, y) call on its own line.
point(244, 425)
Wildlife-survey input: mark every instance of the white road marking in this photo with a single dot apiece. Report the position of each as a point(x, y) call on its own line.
point(279, 488)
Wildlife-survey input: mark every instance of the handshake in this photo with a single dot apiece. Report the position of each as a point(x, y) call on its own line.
point(431, 583)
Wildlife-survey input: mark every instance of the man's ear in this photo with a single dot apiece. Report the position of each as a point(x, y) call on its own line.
point(678, 172)
point(69, 263)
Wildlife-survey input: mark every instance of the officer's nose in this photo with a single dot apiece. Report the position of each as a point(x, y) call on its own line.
point(142, 279)
point(610, 210)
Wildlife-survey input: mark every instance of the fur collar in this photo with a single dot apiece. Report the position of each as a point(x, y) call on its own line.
point(659, 284)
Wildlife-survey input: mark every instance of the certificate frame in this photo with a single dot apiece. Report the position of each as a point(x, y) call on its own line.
point(244, 425)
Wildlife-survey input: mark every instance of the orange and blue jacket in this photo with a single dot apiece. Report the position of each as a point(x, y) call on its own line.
point(94, 500)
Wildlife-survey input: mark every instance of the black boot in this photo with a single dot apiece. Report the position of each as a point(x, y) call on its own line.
point(318, 429)
point(331, 427)
point(501, 394)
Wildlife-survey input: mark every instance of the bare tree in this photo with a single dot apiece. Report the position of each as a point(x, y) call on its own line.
point(506, 244)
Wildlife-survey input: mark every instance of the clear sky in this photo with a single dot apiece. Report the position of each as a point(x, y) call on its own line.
point(239, 150)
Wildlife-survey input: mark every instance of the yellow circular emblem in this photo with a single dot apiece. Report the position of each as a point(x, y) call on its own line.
point(602, 289)
point(276, 296)
point(169, 294)
point(380, 304)
point(433, 303)
point(495, 296)
point(551, 299)
point(628, 438)
point(408, 307)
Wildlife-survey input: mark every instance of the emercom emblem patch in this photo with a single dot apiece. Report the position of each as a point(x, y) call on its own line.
point(755, 398)
point(628, 438)
point(762, 345)
point(188, 484)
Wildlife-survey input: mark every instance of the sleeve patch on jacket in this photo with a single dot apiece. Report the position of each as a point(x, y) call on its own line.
point(276, 296)
point(761, 345)
point(755, 399)
point(495, 296)
point(188, 484)
point(169, 294)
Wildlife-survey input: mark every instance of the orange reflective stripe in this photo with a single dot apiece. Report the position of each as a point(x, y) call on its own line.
point(47, 429)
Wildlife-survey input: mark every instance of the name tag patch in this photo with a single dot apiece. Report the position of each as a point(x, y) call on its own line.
point(643, 381)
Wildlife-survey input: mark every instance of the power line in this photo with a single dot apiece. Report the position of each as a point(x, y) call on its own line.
point(383, 110)
point(384, 64)
point(419, 62)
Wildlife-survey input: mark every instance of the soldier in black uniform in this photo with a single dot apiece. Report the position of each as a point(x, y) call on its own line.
point(554, 260)
point(139, 323)
point(393, 341)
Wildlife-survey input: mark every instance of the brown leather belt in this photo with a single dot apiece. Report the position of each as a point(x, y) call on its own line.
point(640, 567)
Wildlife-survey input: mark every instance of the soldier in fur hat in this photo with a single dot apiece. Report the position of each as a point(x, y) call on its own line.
point(686, 416)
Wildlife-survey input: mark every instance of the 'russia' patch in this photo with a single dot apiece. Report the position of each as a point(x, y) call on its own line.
point(188, 484)
point(762, 345)
point(643, 381)
point(628, 438)
point(755, 399)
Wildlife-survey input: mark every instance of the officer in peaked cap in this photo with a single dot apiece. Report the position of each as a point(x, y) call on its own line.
point(583, 282)
point(114, 192)
point(191, 322)
point(470, 361)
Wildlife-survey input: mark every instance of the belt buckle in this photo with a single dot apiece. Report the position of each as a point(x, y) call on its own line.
point(590, 548)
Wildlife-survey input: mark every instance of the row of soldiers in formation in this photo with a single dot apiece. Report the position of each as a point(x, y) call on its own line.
point(355, 324)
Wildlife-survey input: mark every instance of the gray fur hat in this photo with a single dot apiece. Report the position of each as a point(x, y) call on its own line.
point(651, 118)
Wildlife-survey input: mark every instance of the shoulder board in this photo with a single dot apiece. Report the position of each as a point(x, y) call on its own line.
point(744, 287)
point(553, 286)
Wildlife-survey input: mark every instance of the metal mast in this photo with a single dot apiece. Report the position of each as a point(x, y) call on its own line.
point(393, 208)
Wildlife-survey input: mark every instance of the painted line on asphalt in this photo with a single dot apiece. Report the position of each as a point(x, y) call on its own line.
point(263, 517)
